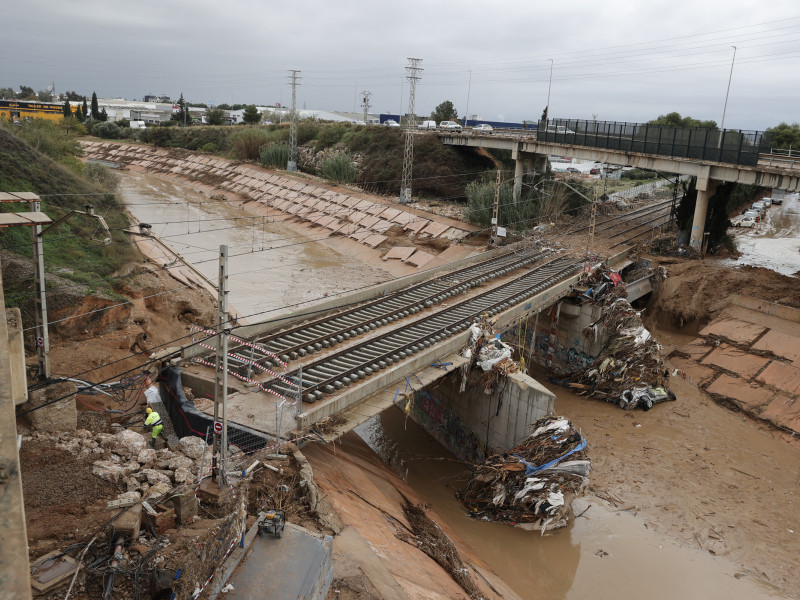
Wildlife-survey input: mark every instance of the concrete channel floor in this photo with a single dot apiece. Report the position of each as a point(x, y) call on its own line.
point(296, 565)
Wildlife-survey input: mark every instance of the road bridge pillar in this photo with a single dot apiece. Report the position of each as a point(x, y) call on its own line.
point(705, 189)
point(519, 170)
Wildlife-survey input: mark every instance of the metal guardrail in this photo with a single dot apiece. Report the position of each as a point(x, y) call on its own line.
point(726, 146)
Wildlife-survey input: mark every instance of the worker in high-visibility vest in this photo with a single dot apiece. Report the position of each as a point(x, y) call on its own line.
point(154, 421)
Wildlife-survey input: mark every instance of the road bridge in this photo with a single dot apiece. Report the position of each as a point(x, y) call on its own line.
point(711, 156)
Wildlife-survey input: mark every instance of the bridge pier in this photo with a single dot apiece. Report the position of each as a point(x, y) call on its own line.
point(519, 170)
point(705, 189)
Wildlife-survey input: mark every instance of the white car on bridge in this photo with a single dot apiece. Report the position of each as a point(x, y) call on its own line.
point(449, 125)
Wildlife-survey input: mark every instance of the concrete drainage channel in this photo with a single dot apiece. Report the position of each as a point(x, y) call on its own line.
point(329, 331)
point(339, 370)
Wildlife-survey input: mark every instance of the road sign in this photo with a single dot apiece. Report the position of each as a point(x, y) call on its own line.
point(218, 427)
point(40, 342)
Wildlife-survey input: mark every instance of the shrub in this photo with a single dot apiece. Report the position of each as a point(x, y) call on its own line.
point(247, 144)
point(330, 135)
point(47, 137)
point(339, 168)
point(97, 173)
point(209, 147)
point(275, 154)
point(106, 130)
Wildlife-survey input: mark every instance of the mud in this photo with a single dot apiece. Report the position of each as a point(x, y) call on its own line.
point(689, 520)
point(271, 266)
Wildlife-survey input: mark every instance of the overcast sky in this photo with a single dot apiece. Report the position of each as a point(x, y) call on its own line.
point(619, 60)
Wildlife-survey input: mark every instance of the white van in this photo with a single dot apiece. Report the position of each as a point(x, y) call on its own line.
point(138, 125)
point(427, 125)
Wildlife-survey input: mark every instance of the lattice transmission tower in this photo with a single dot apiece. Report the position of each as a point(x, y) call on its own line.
point(412, 74)
point(291, 165)
point(365, 96)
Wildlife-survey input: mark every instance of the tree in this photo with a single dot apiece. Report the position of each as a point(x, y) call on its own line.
point(85, 112)
point(182, 115)
point(445, 112)
point(73, 96)
point(67, 109)
point(251, 114)
point(103, 114)
point(45, 96)
point(26, 93)
point(544, 115)
point(95, 107)
point(79, 116)
point(7, 93)
point(785, 136)
point(215, 116)
point(674, 119)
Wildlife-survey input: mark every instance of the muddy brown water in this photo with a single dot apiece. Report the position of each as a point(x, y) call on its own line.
point(271, 266)
point(607, 555)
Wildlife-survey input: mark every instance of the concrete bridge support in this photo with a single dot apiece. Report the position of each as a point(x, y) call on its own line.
point(705, 189)
point(520, 162)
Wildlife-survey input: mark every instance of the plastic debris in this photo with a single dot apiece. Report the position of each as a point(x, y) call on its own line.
point(531, 486)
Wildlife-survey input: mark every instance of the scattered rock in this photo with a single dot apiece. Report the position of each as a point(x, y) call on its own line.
point(192, 446)
point(129, 443)
point(132, 495)
point(146, 456)
point(183, 475)
point(107, 470)
point(152, 476)
point(159, 489)
point(180, 462)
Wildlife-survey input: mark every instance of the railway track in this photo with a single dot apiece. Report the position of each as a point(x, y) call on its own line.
point(333, 372)
point(616, 221)
point(329, 330)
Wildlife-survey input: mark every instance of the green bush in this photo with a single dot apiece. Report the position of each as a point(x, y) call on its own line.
point(275, 155)
point(158, 136)
point(638, 174)
point(247, 144)
point(209, 147)
point(101, 175)
point(106, 130)
point(339, 168)
point(330, 135)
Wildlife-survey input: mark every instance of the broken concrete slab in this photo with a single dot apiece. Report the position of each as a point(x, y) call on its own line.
point(417, 226)
point(52, 414)
point(360, 235)
point(374, 240)
point(783, 412)
point(699, 374)
point(368, 221)
point(736, 361)
point(780, 344)
point(735, 330)
point(399, 253)
point(129, 522)
point(746, 396)
point(51, 570)
point(419, 258)
point(435, 229)
point(782, 376)
point(382, 226)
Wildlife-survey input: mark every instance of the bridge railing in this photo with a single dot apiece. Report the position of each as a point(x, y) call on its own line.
point(728, 146)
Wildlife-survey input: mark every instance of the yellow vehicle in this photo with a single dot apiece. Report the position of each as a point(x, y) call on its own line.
point(16, 110)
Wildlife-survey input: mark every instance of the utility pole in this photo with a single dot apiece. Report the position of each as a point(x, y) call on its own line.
point(292, 164)
point(730, 77)
point(221, 370)
point(365, 103)
point(40, 299)
point(549, 85)
point(469, 89)
point(496, 208)
point(14, 566)
point(412, 74)
point(592, 221)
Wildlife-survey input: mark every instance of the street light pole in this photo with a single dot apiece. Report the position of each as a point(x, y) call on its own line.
point(549, 85)
point(469, 89)
point(725, 109)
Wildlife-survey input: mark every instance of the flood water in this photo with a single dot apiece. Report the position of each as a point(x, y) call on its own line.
point(609, 555)
point(272, 268)
point(775, 243)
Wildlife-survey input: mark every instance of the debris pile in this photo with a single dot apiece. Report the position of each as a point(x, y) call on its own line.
point(601, 285)
point(629, 371)
point(531, 486)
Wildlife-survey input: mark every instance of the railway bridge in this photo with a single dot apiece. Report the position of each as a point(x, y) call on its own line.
point(711, 156)
point(353, 351)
